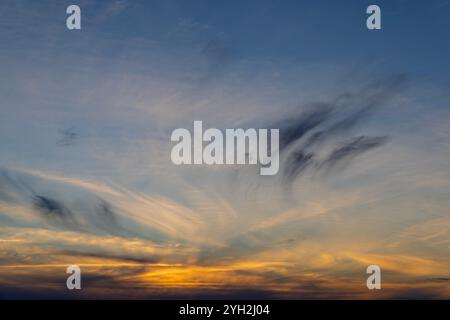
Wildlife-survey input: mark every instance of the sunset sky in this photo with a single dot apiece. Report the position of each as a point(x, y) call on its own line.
point(85, 171)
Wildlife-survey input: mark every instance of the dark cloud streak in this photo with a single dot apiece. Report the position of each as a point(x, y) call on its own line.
point(353, 148)
point(302, 135)
point(55, 212)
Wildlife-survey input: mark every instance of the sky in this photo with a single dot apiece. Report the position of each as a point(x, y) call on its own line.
point(85, 171)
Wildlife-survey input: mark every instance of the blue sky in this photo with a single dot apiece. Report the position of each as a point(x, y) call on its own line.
point(85, 124)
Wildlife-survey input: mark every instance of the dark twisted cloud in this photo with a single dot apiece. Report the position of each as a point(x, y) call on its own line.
point(293, 129)
point(55, 212)
point(353, 148)
point(303, 135)
point(296, 162)
point(85, 212)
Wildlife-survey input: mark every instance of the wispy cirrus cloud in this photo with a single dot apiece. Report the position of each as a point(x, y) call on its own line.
point(364, 174)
